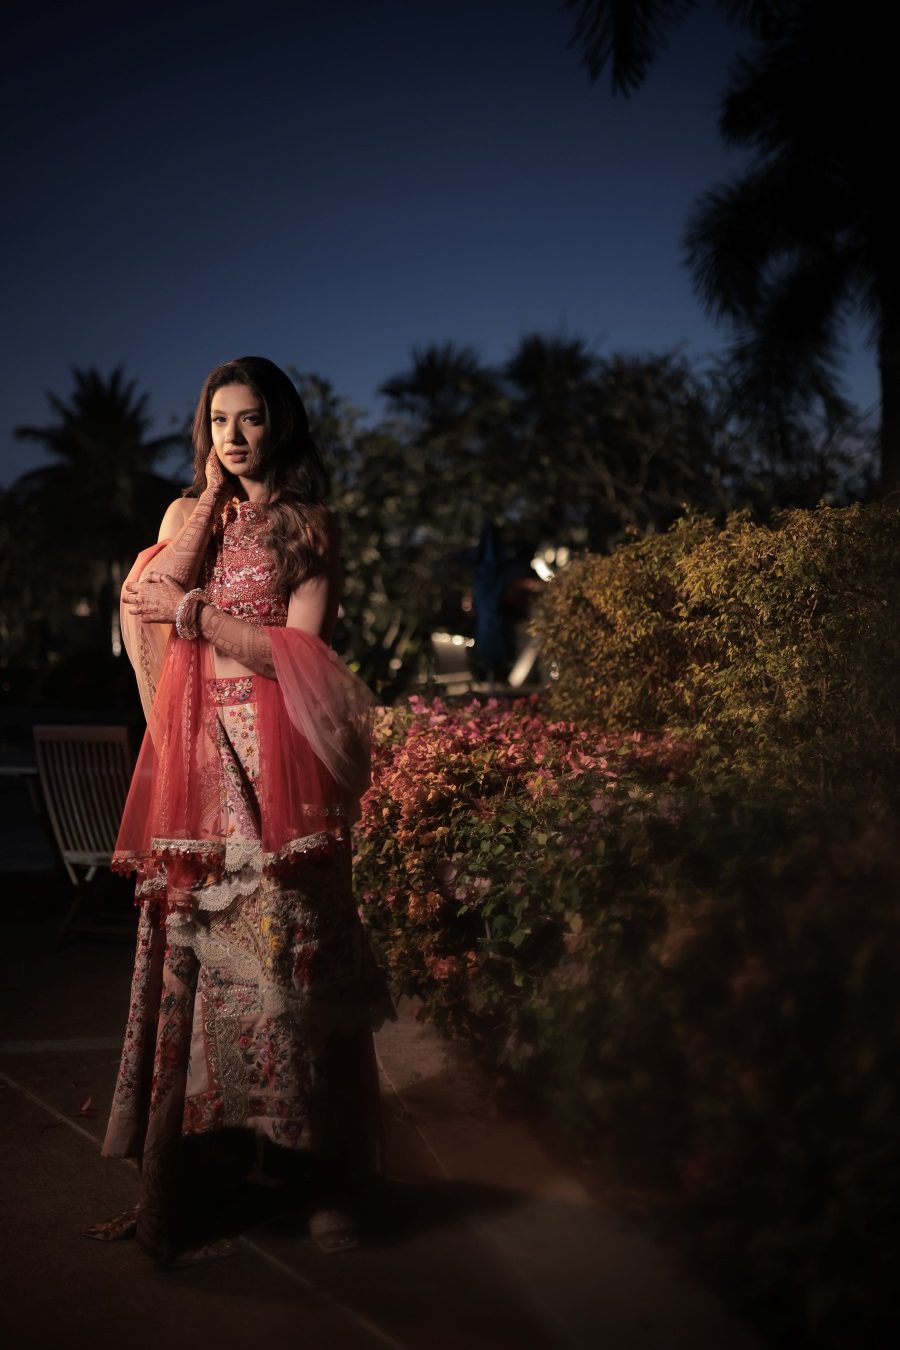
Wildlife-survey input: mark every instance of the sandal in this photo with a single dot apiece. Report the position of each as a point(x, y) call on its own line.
point(116, 1229)
point(333, 1230)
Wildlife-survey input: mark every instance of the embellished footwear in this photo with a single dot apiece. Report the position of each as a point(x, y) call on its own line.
point(116, 1229)
point(333, 1230)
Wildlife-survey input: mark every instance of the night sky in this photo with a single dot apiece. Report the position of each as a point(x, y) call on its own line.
point(331, 184)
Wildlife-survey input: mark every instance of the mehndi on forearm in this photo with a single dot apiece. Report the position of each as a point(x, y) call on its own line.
point(236, 638)
point(185, 552)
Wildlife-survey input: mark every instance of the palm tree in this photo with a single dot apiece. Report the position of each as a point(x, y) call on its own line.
point(450, 406)
point(607, 444)
point(79, 522)
point(807, 236)
point(630, 37)
point(561, 444)
point(105, 480)
point(552, 381)
point(441, 388)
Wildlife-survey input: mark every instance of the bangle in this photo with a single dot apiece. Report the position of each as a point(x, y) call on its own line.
point(186, 623)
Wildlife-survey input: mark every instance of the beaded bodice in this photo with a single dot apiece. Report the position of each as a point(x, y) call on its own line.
point(239, 572)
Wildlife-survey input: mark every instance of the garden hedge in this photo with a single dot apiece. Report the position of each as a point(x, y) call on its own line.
point(776, 648)
point(697, 983)
point(662, 900)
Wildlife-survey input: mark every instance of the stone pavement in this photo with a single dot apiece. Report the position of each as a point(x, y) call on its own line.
point(484, 1241)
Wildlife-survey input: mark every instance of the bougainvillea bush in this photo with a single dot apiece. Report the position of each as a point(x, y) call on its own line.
point(696, 981)
point(480, 862)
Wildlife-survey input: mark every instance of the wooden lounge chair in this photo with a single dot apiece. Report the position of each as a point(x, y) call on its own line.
point(84, 774)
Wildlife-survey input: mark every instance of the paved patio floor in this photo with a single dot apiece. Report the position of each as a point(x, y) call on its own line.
point(482, 1240)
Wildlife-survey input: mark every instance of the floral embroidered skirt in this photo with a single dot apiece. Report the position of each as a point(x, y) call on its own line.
point(252, 1006)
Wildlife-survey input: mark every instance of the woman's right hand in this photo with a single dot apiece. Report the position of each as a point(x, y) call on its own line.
point(215, 474)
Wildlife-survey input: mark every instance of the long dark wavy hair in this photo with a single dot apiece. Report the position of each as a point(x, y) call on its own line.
point(289, 464)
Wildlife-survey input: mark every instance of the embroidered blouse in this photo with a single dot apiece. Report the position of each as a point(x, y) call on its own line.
point(239, 571)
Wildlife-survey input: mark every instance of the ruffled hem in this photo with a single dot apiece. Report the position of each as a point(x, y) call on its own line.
point(207, 874)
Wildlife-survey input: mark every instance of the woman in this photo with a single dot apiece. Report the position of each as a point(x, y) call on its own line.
point(254, 989)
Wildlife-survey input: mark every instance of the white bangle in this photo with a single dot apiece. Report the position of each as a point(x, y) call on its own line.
point(188, 630)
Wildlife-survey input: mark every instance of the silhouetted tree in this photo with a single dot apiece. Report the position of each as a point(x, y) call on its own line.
point(793, 455)
point(552, 388)
point(104, 484)
point(629, 37)
point(559, 445)
point(443, 385)
point(385, 494)
point(608, 444)
point(807, 236)
point(75, 525)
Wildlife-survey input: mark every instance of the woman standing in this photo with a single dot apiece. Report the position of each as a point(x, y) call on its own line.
point(254, 989)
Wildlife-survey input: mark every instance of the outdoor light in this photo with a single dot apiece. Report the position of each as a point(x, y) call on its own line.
point(544, 572)
point(452, 640)
point(547, 562)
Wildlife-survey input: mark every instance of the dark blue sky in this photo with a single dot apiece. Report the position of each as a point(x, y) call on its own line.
point(330, 184)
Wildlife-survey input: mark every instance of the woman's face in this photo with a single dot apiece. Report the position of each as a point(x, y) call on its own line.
point(238, 424)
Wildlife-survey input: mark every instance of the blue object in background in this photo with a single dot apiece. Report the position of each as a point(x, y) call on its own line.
point(493, 629)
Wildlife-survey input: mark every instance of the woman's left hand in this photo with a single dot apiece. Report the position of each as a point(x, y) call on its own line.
point(154, 598)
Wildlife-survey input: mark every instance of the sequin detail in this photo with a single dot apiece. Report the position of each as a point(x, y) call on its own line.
point(240, 570)
point(227, 689)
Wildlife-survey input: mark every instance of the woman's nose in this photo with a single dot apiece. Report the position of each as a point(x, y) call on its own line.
point(235, 436)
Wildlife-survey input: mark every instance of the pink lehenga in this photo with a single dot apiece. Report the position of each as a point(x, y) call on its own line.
point(254, 991)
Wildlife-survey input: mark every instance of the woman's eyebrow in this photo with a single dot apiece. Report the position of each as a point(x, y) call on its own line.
point(242, 413)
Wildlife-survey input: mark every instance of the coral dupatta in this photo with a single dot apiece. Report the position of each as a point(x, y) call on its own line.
point(145, 643)
point(313, 724)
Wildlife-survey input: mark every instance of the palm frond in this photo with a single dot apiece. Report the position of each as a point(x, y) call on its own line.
point(779, 98)
point(541, 365)
point(443, 380)
point(741, 232)
point(763, 18)
point(627, 35)
point(819, 90)
point(53, 438)
point(788, 358)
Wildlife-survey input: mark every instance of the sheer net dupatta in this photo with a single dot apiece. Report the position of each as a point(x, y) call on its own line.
point(145, 643)
point(312, 725)
point(330, 708)
point(175, 811)
point(164, 812)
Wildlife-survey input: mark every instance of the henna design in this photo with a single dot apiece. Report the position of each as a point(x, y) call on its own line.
point(235, 637)
point(184, 553)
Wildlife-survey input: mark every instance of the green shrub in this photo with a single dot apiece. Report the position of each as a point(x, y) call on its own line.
point(777, 649)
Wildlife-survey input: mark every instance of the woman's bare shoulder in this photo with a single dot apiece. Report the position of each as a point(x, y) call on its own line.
point(177, 514)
